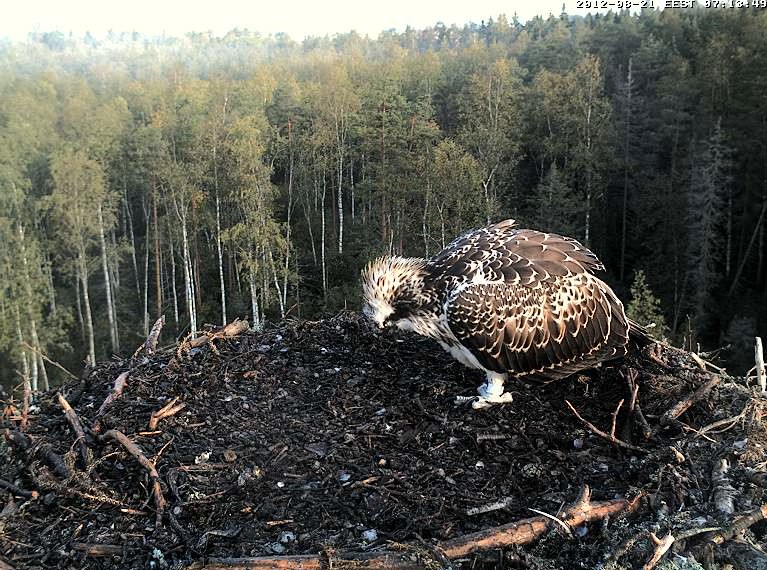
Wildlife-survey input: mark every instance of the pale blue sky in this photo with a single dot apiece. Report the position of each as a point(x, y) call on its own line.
point(298, 18)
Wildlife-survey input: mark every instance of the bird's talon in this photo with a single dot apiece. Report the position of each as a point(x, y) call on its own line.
point(485, 402)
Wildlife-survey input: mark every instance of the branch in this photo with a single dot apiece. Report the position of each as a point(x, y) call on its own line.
point(683, 405)
point(661, 547)
point(23, 442)
point(18, 491)
point(116, 392)
point(520, 532)
point(170, 409)
point(49, 361)
point(235, 328)
point(77, 428)
point(611, 438)
point(150, 345)
point(133, 449)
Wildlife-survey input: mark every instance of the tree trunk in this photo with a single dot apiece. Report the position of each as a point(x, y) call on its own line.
point(88, 317)
point(129, 216)
point(624, 217)
point(157, 257)
point(188, 276)
point(277, 285)
point(322, 241)
point(146, 269)
point(108, 287)
point(173, 281)
point(253, 299)
point(219, 249)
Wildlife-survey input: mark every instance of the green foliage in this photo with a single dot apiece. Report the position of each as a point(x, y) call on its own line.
point(644, 307)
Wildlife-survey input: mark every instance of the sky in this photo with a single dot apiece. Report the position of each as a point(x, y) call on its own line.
point(297, 18)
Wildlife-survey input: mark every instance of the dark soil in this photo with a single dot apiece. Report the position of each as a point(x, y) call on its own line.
point(332, 436)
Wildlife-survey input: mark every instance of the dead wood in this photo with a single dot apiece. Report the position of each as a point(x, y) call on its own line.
point(520, 532)
point(134, 450)
point(724, 493)
point(98, 549)
point(661, 547)
point(77, 428)
point(18, 491)
point(170, 409)
point(596, 431)
point(235, 328)
point(25, 405)
point(48, 360)
point(5, 566)
point(117, 391)
point(683, 405)
point(740, 524)
point(25, 444)
point(150, 345)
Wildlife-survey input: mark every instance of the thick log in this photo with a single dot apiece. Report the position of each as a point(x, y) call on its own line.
point(150, 345)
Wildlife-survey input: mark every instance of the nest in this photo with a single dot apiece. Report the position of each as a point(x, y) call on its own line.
point(332, 444)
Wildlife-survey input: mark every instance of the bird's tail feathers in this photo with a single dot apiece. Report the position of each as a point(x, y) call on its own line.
point(639, 335)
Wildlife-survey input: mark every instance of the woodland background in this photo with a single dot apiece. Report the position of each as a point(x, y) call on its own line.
point(207, 178)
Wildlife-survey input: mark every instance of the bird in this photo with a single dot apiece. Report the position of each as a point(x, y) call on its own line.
point(505, 300)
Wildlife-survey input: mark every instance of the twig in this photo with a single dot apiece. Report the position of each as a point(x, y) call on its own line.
point(166, 411)
point(646, 429)
point(661, 547)
point(594, 429)
point(49, 361)
point(683, 405)
point(116, 392)
point(18, 491)
point(150, 345)
point(77, 428)
point(98, 549)
point(563, 524)
point(615, 419)
point(25, 405)
point(521, 532)
point(235, 328)
point(133, 449)
point(496, 506)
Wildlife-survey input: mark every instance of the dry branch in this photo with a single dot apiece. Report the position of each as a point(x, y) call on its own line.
point(759, 360)
point(521, 532)
point(611, 438)
point(77, 428)
point(683, 405)
point(740, 524)
point(133, 449)
point(98, 549)
point(235, 328)
point(25, 405)
point(24, 443)
point(48, 360)
point(150, 345)
point(661, 547)
point(116, 392)
point(170, 409)
point(18, 491)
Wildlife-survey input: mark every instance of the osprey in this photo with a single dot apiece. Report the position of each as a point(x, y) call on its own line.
point(506, 301)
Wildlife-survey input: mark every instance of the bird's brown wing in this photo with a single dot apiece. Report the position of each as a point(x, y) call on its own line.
point(503, 253)
point(548, 330)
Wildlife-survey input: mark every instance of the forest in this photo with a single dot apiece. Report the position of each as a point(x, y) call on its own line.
point(206, 178)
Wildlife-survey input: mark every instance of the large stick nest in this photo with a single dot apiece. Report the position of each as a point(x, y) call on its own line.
point(333, 440)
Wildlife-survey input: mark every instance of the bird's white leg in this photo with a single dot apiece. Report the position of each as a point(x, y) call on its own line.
point(491, 392)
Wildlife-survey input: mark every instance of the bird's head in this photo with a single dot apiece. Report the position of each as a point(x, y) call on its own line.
point(391, 289)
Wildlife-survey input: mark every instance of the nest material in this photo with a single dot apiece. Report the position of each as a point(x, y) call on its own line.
point(331, 443)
